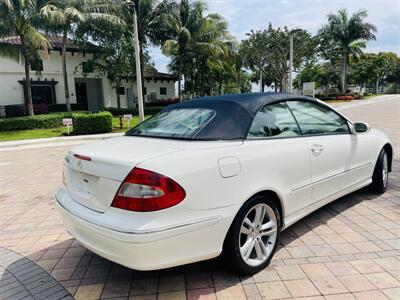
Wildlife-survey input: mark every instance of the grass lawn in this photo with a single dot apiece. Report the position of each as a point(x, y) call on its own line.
point(54, 132)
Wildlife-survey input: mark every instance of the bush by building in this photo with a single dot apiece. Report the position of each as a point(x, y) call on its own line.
point(122, 111)
point(33, 122)
point(92, 123)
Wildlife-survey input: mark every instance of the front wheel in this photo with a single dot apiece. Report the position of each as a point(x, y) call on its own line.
point(380, 177)
point(253, 236)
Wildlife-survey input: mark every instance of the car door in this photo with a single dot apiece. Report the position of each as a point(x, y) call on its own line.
point(275, 157)
point(337, 156)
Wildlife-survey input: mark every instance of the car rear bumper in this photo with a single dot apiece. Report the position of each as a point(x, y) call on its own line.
point(149, 249)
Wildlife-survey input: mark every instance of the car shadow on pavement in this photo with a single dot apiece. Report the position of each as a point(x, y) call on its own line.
point(68, 266)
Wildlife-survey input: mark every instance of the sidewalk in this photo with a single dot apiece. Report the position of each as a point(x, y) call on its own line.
point(56, 141)
point(358, 103)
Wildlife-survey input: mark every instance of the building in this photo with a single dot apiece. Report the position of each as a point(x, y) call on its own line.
point(91, 90)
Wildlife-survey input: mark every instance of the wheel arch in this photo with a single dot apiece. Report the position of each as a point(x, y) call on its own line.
point(272, 195)
point(268, 194)
point(389, 150)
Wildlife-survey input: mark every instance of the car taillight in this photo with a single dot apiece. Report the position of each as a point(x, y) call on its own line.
point(144, 190)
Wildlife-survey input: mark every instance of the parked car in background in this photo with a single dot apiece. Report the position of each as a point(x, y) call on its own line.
point(222, 174)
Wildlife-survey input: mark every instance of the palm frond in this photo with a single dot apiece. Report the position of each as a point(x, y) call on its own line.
point(9, 51)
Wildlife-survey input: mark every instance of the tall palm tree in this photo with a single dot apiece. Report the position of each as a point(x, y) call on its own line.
point(16, 18)
point(146, 12)
point(346, 37)
point(64, 15)
point(186, 33)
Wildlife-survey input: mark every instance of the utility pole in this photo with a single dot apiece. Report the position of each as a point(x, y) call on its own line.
point(291, 62)
point(137, 62)
point(261, 81)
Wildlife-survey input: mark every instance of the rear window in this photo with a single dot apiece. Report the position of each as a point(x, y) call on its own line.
point(177, 123)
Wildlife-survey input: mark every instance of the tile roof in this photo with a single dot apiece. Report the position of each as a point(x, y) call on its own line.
point(54, 40)
point(150, 73)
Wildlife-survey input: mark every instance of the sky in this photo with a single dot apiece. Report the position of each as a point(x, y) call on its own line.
point(244, 15)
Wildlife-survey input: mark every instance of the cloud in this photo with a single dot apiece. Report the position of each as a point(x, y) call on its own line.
point(245, 15)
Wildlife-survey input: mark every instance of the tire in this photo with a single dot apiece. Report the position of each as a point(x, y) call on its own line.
point(238, 242)
point(380, 177)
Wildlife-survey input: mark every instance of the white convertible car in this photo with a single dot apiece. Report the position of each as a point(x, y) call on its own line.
point(216, 174)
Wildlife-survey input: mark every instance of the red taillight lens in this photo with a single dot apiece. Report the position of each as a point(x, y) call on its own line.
point(82, 157)
point(144, 190)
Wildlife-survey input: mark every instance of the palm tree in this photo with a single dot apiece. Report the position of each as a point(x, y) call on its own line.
point(16, 18)
point(64, 15)
point(187, 33)
point(346, 37)
point(146, 12)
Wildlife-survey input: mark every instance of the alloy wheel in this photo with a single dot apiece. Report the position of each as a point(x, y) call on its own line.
point(385, 170)
point(258, 234)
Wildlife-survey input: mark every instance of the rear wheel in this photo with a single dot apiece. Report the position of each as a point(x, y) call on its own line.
point(380, 177)
point(253, 236)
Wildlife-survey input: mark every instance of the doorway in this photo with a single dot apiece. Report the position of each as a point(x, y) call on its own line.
point(89, 91)
point(81, 94)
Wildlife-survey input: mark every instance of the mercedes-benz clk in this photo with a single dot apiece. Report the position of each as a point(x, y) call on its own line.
point(216, 175)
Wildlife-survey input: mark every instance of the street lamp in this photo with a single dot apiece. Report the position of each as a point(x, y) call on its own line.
point(137, 61)
point(291, 33)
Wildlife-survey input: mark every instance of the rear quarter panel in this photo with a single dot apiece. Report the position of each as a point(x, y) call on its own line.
point(277, 165)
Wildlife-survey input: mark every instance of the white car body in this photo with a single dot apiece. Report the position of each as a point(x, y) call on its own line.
point(217, 176)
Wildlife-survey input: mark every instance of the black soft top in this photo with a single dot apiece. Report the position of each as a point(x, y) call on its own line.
point(234, 113)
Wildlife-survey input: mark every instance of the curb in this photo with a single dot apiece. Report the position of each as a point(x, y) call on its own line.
point(63, 140)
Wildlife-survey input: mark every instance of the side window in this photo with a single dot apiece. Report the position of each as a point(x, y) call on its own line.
point(317, 119)
point(272, 121)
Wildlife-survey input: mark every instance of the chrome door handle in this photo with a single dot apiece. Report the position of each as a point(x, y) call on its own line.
point(316, 148)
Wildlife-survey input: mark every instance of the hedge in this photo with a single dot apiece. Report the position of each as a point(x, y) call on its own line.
point(62, 107)
point(33, 122)
point(122, 111)
point(92, 123)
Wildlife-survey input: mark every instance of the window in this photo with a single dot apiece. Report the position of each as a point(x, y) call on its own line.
point(36, 65)
point(121, 90)
point(87, 67)
point(274, 120)
point(163, 90)
point(177, 123)
point(314, 118)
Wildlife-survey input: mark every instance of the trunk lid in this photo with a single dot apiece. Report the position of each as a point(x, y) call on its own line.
point(94, 183)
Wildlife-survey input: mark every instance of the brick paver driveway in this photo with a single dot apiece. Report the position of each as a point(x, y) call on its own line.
point(346, 250)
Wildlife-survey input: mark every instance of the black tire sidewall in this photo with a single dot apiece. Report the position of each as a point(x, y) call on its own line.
point(378, 185)
point(231, 247)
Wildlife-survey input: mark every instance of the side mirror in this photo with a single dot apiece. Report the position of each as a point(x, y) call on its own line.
point(361, 127)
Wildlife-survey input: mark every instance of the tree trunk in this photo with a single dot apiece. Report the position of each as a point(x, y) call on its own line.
point(377, 86)
point(343, 75)
point(28, 90)
point(64, 69)
point(117, 86)
point(142, 68)
point(283, 88)
point(179, 79)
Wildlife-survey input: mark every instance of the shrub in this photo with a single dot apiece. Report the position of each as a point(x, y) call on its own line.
point(348, 97)
point(33, 122)
point(162, 102)
point(122, 111)
point(63, 107)
point(92, 123)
